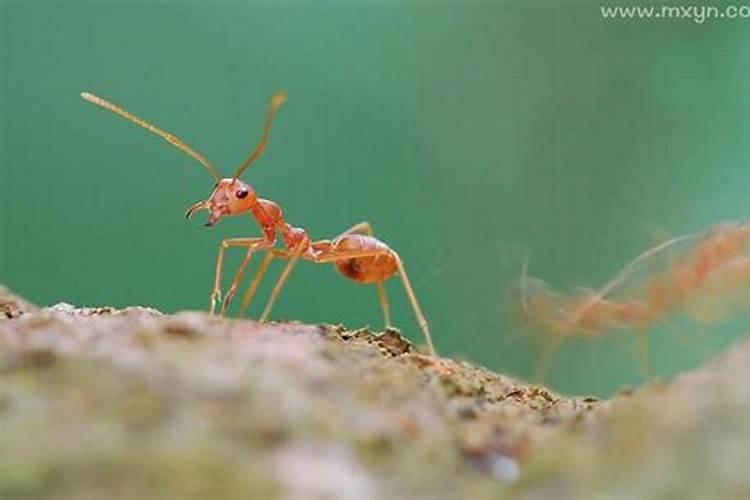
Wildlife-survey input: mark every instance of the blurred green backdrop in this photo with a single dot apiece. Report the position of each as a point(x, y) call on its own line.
point(466, 132)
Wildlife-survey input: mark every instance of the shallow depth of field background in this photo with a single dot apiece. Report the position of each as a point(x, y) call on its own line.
point(466, 132)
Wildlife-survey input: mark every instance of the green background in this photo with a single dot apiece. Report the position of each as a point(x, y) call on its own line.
point(467, 132)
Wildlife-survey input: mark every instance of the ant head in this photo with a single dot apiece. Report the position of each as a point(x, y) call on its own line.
point(233, 196)
point(230, 197)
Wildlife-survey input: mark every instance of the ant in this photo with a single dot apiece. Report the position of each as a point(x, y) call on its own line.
point(356, 253)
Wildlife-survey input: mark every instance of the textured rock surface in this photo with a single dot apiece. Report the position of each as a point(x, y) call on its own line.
point(105, 403)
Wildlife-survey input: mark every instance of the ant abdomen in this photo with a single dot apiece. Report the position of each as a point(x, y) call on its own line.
point(370, 269)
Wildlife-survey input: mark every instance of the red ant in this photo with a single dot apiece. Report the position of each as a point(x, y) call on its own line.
point(356, 253)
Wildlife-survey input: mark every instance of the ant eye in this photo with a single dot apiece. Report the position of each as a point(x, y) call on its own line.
point(241, 193)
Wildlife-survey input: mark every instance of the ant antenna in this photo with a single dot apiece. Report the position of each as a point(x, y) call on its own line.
point(275, 103)
point(175, 141)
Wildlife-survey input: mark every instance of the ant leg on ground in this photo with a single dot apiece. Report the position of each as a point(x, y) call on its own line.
point(362, 227)
point(280, 282)
point(249, 243)
point(259, 274)
point(383, 298)
point(272, 252)
point(421, 320)
point(236, 281)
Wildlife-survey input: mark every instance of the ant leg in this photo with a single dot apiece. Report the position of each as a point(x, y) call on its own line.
point(249, 243)
point(259, 274)
point(236, 281)
point(383, 298)
point(272, 252)
point(421, 320)
point(280, 282)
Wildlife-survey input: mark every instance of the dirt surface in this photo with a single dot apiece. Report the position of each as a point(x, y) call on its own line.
point(106, 403)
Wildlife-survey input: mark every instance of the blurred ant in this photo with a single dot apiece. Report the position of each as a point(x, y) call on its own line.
point(356, 253)
point(714, 269)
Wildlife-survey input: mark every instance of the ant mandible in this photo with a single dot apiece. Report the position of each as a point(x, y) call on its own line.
point(356, 253)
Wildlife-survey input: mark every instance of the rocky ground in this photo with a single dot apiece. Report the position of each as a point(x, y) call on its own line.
point(131, 403)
